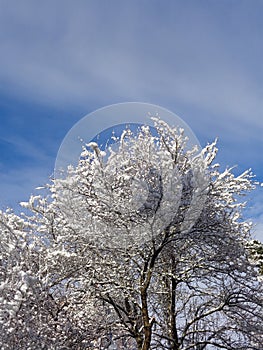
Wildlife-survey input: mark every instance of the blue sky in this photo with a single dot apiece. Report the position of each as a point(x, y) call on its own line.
point(60, 60)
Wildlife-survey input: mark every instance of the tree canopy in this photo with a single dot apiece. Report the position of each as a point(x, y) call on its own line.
point(140, 247)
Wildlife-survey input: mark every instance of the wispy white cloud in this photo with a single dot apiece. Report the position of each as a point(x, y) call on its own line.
point(31, 167)
point(17, 185)
point(75, 54)
point(27, 148)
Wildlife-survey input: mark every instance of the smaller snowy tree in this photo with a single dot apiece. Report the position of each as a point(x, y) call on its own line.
point(33, 311)
point(256, 253)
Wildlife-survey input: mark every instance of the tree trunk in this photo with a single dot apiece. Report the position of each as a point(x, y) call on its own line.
point(173, 331)
point(147, 325)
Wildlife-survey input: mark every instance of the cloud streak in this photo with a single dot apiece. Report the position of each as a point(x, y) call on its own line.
point(84, 54)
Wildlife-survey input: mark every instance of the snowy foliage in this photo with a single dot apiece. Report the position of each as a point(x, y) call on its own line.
point(255, 248)
point(140, 248)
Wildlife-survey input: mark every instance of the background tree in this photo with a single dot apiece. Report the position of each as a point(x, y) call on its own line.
point(256, 253)
point(142, 247)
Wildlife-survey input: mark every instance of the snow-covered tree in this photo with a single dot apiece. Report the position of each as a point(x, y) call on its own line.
point(256, 253)
point(32, 315)
point(141, 247)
